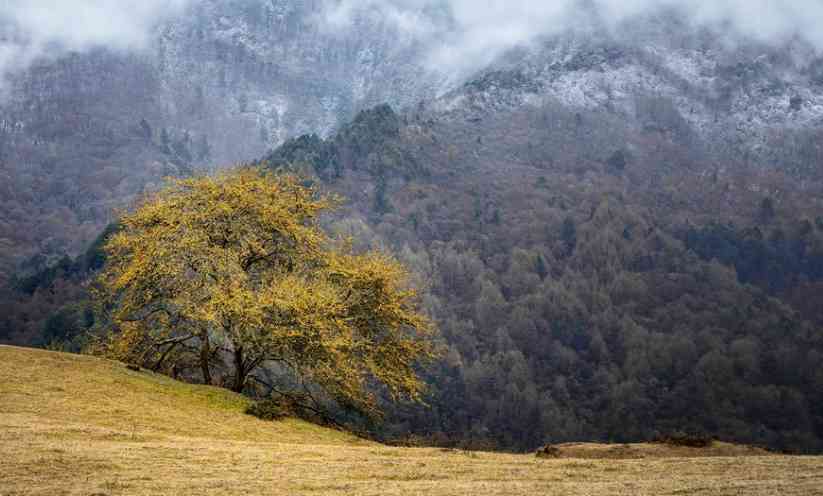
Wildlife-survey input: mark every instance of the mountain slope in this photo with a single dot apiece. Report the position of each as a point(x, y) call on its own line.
point(73, 424)
point(228, 80)
point(609, 292)
point(622, 232)
point(84, 133)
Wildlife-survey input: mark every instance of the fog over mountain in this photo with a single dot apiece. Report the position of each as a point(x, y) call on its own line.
point(459, 35)
point(138, 90)
point(32, 29)
point(465, 35)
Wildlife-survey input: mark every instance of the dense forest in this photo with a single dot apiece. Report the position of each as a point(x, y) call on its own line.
point(579, 294)
point(601, 300)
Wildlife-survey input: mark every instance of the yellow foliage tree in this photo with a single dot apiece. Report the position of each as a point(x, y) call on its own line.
point(237, 268)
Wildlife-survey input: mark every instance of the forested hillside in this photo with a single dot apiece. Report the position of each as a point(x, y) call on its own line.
point(584, 296)
point(619, 235)
point(578, 297)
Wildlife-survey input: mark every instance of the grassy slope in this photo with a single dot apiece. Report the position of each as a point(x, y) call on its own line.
point(78, 425)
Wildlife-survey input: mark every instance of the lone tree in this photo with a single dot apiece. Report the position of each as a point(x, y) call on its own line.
point(233, 273)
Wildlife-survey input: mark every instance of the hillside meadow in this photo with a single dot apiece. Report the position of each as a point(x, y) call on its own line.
point(72, 424)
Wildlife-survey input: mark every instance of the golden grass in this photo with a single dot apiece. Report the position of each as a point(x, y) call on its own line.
point(594, 451)
point(79, 425)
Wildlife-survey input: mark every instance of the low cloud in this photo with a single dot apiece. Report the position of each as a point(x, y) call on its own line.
point(32, 29)
point(465, 35)
point(458, 36)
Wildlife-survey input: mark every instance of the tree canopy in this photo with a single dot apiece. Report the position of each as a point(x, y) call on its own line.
point(230, 273)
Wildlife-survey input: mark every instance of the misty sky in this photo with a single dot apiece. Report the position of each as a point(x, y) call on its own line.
point(482, 30)
point(477, 30)
point(38, 28)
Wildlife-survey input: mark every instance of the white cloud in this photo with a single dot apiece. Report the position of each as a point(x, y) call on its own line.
point(458, 35)
point(474, 32)
point(30, 29)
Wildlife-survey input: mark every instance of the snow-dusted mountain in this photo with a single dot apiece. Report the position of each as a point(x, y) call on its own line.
point(84, 132)
point(749, 98)
point(260, 72)
point(228, 80)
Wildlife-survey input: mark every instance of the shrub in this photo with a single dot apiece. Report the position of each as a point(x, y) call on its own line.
point(548, 451)
point(269, 409)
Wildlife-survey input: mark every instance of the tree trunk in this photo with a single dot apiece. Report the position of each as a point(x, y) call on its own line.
point(239, 371)
point(205, 357)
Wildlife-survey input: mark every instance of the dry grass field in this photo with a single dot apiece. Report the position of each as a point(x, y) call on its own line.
point(76, 425)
